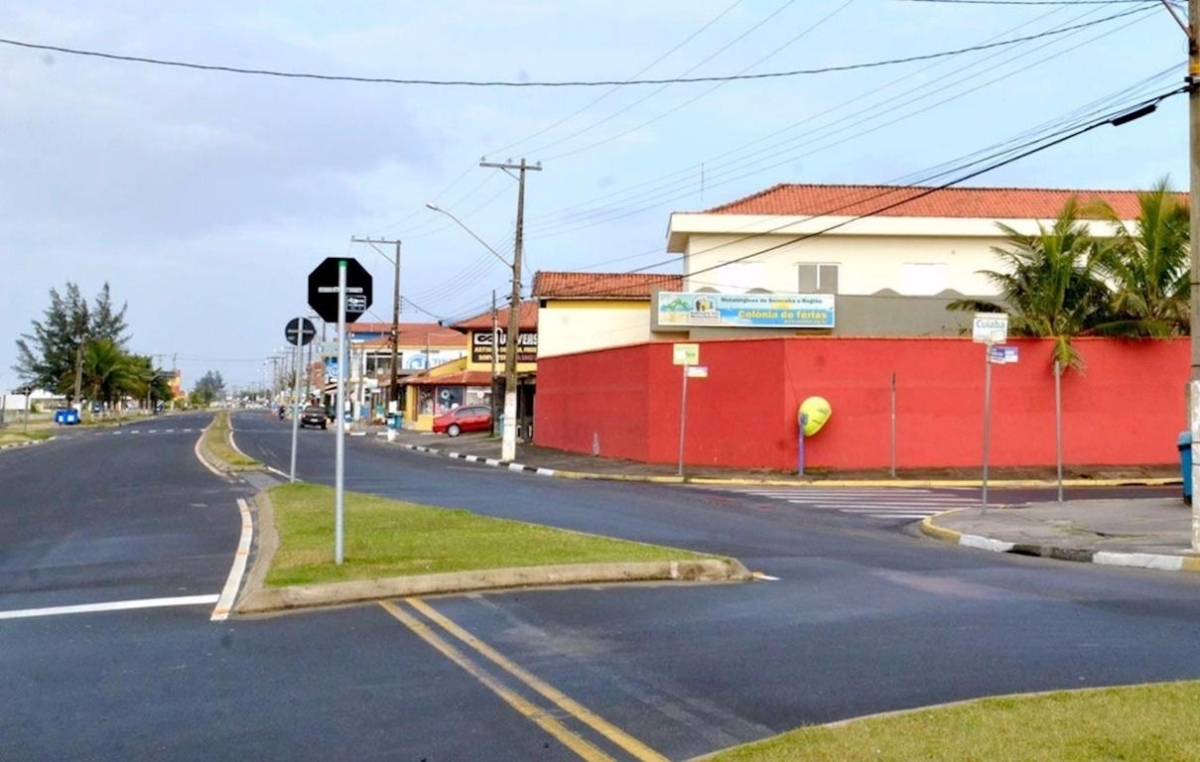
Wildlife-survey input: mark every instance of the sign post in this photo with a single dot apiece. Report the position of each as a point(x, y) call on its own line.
point(339, 289)
point(298, 332)
point(989, 329)
point(685, 355)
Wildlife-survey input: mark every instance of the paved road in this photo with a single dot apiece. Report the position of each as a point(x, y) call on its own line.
point(865, 617)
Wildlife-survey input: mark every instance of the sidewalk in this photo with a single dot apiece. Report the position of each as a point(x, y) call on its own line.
point(1154, 533)
point(479, 447)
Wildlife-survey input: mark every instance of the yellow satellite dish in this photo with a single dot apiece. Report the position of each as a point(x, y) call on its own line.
point(814, 412)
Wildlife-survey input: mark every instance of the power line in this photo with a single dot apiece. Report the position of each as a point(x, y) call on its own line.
point(736, 157)
point(654, 198)
point(998, 159)
point(1144, 6)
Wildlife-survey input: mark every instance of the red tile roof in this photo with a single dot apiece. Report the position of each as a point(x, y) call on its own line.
point(466, 377)
point(411, 334)
point(560, 285)
point(984, 203)
point(527, 318)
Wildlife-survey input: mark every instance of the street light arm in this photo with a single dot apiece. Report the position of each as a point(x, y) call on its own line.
point(459, 222)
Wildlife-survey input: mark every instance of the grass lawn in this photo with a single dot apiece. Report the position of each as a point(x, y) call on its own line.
point(1150, 723)
point(11, 436)
point(388, 538)
point(216, 439)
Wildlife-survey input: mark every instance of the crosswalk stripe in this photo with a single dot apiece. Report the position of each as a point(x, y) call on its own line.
point(883, 503)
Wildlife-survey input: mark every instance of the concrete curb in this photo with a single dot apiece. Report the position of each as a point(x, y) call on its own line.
point(1156, 561)
point(776, 482)
point(256, 598)
point(30, 443)
point(263, 600)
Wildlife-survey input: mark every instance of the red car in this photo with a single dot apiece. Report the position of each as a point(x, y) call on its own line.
point(472, 418)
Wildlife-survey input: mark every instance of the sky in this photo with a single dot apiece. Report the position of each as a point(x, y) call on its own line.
point(205, 198)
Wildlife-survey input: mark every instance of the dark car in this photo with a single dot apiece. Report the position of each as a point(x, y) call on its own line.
point(313, 415)
point(469, 418)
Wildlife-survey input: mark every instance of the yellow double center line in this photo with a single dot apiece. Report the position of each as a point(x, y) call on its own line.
point(528, 709)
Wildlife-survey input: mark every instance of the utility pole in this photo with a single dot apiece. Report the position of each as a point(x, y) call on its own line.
point(394, 394)
point(495, 357)
point(1191, 29)
point(508, 446)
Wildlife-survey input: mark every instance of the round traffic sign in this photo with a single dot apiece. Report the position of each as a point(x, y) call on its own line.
point(299, 331)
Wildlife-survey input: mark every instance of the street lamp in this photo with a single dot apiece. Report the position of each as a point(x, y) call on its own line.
point(508, 442)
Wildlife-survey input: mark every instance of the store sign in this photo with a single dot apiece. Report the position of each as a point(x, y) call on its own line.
point(746, 310)
point(481, 346)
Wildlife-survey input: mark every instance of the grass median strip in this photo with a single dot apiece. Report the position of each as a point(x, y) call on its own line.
point(1147, 723)
point(389, 538)
point(18, 437)
point(216, 439)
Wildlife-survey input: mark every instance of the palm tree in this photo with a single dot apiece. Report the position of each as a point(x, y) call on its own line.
point(1149, 267)
point(107, 371)
point(1051, 283)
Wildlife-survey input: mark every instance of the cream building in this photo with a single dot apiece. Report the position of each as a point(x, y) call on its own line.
point(582, 311)
point(869, 244)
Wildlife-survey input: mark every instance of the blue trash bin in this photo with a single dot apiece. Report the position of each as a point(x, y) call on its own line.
point(1185, 464)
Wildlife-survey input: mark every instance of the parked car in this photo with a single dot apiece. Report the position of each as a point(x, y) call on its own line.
point(469, 418)
point(313, 415)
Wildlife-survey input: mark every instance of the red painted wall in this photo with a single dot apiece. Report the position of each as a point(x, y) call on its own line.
point(1125, 408)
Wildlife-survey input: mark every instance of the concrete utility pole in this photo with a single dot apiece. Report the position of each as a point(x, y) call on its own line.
point(394, 394)
point(508, 446)
point(495, 357)
point(1193, 79)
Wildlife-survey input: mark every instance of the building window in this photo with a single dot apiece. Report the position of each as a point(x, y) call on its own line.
point(922, 278)
point(818, 278)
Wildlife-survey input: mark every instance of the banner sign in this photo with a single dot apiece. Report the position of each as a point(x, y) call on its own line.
point(746, 310)
point(481, 346)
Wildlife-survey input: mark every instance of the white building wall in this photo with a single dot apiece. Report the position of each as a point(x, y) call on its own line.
point(565, 327)
point(907, 255)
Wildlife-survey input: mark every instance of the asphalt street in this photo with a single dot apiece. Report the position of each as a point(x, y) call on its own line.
point(865, 617)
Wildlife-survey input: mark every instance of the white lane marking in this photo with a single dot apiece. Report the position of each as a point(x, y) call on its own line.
point(134, 431)
point(186, 431)
point(199, 457)
point(170, 431)
point(89, 608)
point(152, 431)
point(764, 577)
point(225, 602)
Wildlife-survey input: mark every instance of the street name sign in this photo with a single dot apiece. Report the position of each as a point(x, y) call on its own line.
point(685, 354)
point(989, 327)
point(323, 289)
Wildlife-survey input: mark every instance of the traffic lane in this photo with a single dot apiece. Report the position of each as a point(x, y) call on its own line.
point(107, 514)
point(350, 683)
point(691, 670)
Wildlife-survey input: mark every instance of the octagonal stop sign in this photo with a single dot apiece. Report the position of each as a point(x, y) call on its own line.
point(323, 289)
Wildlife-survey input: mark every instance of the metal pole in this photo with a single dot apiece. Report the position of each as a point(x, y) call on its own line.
point(682, 417)
point(340, 467)
point(987, 415)
point(803, 421)
point(1194, 206)
point(25, 423)
point(893, 425)
point(295, 401)
point(1058, 456)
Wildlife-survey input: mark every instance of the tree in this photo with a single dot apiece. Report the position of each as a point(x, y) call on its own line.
point(208, 388)
point(1149, 266)
point(107, 324)
point(1052, 284)
point(52, 355)
point(107, 372)
point(47, 357)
